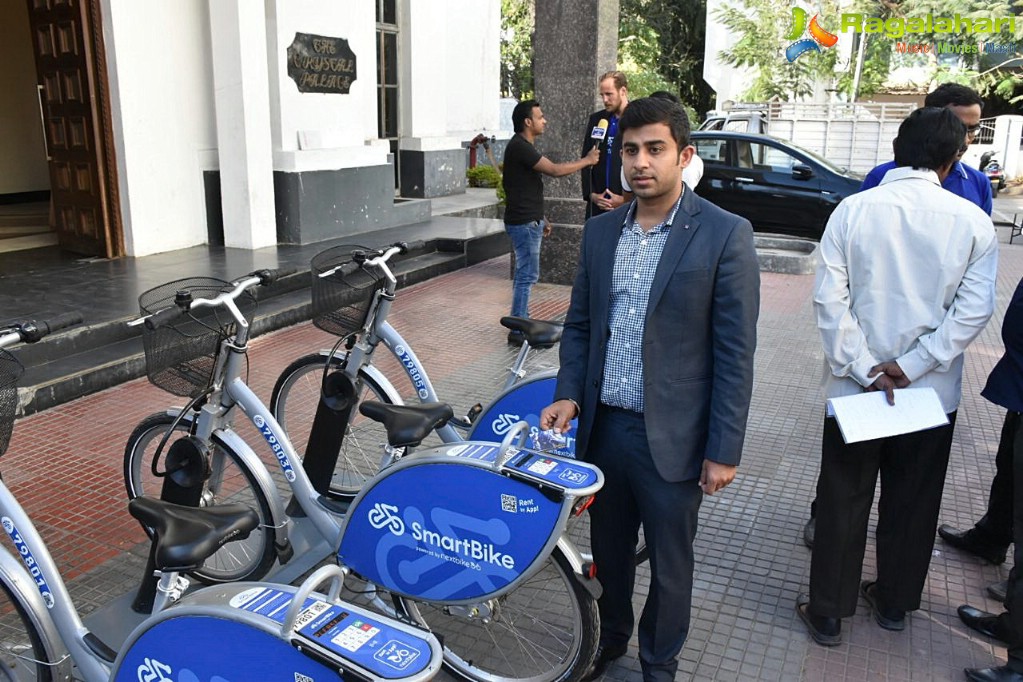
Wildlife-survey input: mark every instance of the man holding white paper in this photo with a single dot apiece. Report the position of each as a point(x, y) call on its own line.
point(906, 280)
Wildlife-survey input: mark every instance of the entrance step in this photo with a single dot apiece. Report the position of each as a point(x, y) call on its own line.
point(92, 357)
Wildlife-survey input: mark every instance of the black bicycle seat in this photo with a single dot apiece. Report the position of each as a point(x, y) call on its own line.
point(407, 425)
point(539, 333)
point(187, 536)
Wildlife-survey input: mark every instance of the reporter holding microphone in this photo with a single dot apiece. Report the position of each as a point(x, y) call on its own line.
point(602, 184)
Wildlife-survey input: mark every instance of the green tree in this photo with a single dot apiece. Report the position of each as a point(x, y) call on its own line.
point(761, 28)
point(663, 40)
point(517, 21)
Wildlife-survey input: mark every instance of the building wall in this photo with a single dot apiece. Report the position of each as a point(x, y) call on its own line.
point(315, 131)
point(161, 81)
point(451, 81)
point(23, 165)
point(164, 113)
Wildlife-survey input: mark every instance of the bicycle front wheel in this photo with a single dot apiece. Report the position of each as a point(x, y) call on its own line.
point(24, 654)
point(545, 629)
point(293, 404)
point(231, 481)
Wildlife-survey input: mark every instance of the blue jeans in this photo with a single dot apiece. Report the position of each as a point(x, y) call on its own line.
point(525, 240)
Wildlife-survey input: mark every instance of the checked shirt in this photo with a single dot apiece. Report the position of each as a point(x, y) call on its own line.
point(636, 258)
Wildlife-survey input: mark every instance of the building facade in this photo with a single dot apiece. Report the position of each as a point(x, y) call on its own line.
point(157, 125)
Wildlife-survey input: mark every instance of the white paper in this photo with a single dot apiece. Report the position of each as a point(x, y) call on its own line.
point(866, 416)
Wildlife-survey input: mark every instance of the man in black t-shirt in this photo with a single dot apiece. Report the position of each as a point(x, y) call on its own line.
point(524, 219)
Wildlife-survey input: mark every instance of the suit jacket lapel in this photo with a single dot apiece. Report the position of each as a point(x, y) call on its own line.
point(603, 272)
point(682, 230)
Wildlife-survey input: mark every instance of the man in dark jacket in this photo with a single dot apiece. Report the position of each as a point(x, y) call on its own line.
point(1005, 387)
point(602, 184)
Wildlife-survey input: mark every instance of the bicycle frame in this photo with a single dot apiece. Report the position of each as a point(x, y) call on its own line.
point(260, 638)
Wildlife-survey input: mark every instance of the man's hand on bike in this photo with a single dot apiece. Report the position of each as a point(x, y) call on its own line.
point(559, 415)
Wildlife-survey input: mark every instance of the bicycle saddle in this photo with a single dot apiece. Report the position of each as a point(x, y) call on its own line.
point(187, 536)
point(407, 425)
point(539, 333)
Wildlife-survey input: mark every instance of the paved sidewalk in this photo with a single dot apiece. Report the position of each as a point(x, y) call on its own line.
point(65, 466)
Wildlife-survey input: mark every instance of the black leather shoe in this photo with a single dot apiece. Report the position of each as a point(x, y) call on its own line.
point(825, 631)
point(889, 619)
point(983, 622)
point(808, 532)
point(997, 591)
point(1001, 674)
point(606, 655)
point(967, 541)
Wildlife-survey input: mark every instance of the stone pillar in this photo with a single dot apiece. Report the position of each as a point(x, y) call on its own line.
point(574, 43)
point(242, 95)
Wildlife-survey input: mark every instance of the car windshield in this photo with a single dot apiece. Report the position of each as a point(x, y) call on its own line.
point(834, 168)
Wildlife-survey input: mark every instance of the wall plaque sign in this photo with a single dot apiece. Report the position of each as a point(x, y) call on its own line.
point(321, 64)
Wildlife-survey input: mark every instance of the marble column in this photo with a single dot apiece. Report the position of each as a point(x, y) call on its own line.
point(575, 41)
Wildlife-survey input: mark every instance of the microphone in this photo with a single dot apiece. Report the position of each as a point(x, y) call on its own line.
point(599, 132)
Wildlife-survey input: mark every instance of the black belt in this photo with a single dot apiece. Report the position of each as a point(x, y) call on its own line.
point(621, 410)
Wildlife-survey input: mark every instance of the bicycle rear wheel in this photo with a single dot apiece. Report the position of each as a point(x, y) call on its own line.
point(545, 629)
point(23, 653)
point(293, 403)
point(247, 559)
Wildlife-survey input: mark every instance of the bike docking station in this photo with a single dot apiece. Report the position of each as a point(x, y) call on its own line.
point(232, 632)
point(463, 546)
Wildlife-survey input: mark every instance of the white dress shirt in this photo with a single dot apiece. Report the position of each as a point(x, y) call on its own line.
point(906, 272)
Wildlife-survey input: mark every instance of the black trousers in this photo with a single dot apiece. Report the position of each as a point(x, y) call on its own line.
point(912, 469)
point(995, 527)
point(1012, 619)
point(633, 494)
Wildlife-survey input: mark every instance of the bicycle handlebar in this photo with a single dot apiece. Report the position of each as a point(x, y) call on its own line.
point(264, 277)
point(31, 331)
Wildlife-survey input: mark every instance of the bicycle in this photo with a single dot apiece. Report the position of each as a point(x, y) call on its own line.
point(352, 298)
point(533, 619)
point(275, 631)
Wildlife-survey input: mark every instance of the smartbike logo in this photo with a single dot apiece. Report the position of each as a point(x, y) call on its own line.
point(275, 445)
point(30, 562)
point(388, 516)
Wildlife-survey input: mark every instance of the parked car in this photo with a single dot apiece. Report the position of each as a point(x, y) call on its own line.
point(777, 186)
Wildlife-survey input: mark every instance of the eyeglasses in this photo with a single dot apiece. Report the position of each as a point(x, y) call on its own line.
point(973, 130)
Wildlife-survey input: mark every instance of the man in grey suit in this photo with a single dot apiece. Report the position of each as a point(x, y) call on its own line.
point(657, 363)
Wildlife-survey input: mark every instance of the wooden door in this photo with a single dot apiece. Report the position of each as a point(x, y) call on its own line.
point(67, 40)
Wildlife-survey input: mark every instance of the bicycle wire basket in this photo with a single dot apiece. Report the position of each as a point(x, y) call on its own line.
point(10, 371)
point(181, 355)
point(341, 300)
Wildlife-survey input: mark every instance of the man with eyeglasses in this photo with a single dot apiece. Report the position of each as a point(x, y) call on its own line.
point(964, 181)
point(993, 532)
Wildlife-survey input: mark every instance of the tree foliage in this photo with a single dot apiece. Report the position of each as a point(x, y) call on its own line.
point(517, 22)
point(760, 28)
point(664, 41)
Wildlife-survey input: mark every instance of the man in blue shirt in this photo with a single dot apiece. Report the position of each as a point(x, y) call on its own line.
point(964, 181)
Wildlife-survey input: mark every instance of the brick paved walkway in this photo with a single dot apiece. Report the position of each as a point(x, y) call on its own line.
point(65, 466)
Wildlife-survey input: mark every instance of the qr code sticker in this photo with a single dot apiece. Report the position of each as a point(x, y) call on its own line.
point(509, 503)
